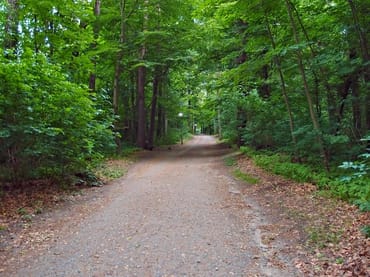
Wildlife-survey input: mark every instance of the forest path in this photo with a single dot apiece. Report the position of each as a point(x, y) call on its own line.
point(176, 213)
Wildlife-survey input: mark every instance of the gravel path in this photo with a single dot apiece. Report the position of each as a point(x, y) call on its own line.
point(176, 213)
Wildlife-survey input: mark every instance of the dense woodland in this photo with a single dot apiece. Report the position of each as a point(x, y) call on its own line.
point(82, 80)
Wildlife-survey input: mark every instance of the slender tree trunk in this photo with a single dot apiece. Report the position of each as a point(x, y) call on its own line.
point(141, 76)
point(314, 120)
point(330, 96)
point(35, 34)
point(160, 124)
point(219, 125)
point(11, 28)
point(265, 88)
point(117, 74)
point(141, 113)
point(133, 100)
point(365, 56)
point(118, 69)
point(361, 35)
point(282, 82)
point(356, 109)
point(153, 112)
point(92, 78)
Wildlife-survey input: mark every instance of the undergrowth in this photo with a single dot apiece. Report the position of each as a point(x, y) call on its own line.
point(245, 177)
point(350, 182)
point(321, 236)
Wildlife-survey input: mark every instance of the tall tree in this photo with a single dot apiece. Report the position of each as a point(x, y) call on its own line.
point(97, 11)
point(313, 115)
point(11, 27)
point(141, 78)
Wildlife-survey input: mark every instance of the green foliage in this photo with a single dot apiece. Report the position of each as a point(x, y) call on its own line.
point(366, 231)
point(245, 177)
point(172, 137)
point(320, 237)
point(353, 188)
point(248, 151)
point(355, 185)
point(127, 151)
point(22, 211)
point(110, 171)
point(356, 190)
point(230, 161)
point(281, 165)
point(47, 122)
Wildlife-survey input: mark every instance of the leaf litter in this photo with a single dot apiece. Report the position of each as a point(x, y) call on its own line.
point(323, 233)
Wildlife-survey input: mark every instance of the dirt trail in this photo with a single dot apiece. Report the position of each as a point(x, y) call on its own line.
point(177, 213)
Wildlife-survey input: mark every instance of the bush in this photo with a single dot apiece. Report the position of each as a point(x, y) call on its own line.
point(49, 125)
point(354, 186)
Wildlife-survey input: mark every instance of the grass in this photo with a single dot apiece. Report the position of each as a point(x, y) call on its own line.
point(111, 170)
point(351, 188)
point(230, 161)
point(117, 165)
point(245, 177)
point(126, 151)
point(320, 237)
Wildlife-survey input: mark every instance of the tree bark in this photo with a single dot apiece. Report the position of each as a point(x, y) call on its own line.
point(314, 120)
point(118, 69)
point(153, 112)
point(161, 124)
point(265, 87)
point(11, 28)
point(332, 106)
point(92, 77)
point(141, 112)
point(141, 76)
point(282, 82)
point(356, 109)
point(366, 58)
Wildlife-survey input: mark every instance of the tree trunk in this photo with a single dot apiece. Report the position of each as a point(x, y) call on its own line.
point(356, 109)
point(118, 69)
point(11, 28)
point(141, 113)
point(153, 112)
point(92, 78)
point(366, 59)
point(282, 82)
point(330, 96)
point(117, 74)
point(141, 76)
point(161, 124)
point(314, 120)
point(219, 125)
point(265, 87)
point(133, 100)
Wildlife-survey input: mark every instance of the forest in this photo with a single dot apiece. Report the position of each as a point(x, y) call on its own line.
point(285, 81)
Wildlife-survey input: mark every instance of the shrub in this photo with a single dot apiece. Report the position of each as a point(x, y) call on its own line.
point(49, 125)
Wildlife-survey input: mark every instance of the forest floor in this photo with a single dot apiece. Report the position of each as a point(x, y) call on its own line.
point(182, 212)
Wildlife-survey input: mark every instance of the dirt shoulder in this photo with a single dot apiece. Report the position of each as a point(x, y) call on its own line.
point(324, 233)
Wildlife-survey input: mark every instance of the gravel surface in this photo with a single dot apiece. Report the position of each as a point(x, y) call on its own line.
point(177, 212)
